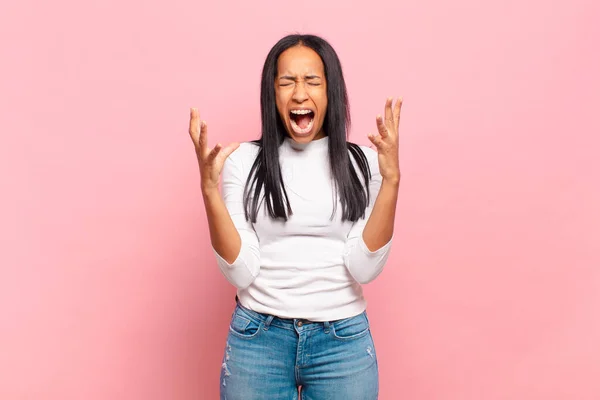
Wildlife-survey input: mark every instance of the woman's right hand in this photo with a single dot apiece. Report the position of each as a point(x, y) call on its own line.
point(210, 161)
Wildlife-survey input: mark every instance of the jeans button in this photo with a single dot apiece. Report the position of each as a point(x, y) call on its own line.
point(299, 324)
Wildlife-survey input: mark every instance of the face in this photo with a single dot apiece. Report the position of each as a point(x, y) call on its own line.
point(301, 93)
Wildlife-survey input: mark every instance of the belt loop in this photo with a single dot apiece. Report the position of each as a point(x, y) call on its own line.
point(326, 324)
point(268, 322)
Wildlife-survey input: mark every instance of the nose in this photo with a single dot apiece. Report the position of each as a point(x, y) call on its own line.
point(300, 94)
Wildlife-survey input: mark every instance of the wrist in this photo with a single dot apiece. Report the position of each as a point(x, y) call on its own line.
point(209, 191)
point(391, 181)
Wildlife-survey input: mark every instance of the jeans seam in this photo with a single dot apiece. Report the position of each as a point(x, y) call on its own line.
point(246, 337)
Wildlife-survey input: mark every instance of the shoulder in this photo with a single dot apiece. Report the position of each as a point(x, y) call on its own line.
point(244, 156)
point(370, 155)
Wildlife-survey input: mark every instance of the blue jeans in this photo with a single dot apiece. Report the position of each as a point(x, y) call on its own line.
point(269, 358)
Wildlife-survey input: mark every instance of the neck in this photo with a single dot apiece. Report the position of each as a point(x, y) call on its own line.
point(316, 143)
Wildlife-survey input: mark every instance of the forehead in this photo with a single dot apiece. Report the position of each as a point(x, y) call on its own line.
point(299, 60)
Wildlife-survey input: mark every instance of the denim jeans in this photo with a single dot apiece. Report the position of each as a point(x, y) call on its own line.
point(269, 358)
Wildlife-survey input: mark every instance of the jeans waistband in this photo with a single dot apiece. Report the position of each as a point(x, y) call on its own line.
point(287, 323)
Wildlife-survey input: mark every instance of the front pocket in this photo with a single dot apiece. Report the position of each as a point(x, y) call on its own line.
point(351, 328)
point(244, 327)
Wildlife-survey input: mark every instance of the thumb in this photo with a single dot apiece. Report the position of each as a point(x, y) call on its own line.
point(230, 148)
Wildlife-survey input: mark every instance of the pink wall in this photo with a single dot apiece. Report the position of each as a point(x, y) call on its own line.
point(107, 286)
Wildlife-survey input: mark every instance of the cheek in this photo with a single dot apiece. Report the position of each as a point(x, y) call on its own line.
point(320, 98)
point(323, 105)
point(280, 103)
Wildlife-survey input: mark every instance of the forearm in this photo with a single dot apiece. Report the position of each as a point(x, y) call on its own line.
point(224, 236)
point(379, 229)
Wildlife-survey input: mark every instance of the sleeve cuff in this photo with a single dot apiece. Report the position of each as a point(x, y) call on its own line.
point(378, 252)
point(222, 262)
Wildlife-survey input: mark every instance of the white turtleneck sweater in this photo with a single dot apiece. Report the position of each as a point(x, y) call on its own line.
point(311, 266)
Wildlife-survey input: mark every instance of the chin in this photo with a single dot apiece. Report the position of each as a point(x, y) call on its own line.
point(301, 138)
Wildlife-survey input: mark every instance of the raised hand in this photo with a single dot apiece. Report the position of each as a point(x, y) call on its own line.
point(387, 141)
point(210, 160)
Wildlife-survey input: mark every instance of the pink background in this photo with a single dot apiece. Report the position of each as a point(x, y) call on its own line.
point(108, 289)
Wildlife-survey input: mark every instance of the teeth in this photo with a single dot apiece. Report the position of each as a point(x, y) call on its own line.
point(301, 112)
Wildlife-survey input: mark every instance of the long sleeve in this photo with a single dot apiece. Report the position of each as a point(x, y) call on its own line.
point(365, 265)
point(245, 268)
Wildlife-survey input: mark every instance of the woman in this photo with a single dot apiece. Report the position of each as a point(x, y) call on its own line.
point(304, 219)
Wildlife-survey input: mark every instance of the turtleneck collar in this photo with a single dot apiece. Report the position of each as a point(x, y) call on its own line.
point(313, 145)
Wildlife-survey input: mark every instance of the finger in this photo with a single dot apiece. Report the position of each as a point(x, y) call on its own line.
point(194, 125)
point(214, 152)
point(397, 109)
point(389, 116)
point(383, 130)
point(203, 138)
point(377, 140)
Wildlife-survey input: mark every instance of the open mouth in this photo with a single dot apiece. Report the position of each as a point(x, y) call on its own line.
point(302, 121)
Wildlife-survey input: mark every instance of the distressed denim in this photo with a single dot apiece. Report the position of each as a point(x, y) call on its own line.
point(269, 358)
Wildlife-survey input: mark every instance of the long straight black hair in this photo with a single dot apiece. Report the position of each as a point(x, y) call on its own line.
point(265, 180)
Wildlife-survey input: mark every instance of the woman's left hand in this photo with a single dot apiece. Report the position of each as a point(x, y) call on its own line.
point(387, 142)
